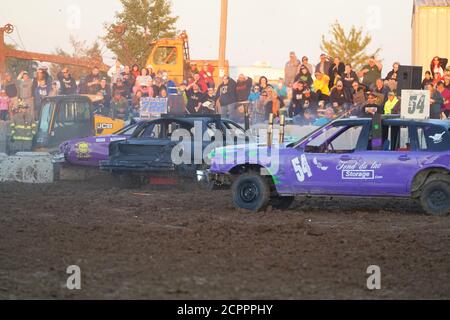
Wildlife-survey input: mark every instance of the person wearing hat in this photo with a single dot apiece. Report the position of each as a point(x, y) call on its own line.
point(392, 105)
point(23, 128)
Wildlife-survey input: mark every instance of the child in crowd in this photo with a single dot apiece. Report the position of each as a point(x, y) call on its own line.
point(5, 102)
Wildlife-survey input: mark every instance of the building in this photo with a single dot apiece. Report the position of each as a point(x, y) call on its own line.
point(430, 31)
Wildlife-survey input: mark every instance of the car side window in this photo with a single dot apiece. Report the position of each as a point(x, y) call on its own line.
point(152, 131)
point(396, 138)
point(433, 138)
point(421, 140)
point(339, 139)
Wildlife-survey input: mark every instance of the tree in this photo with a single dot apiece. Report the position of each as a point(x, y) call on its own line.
point(80, 49)
point(350, 48)
point(139, 24)
point(14, 66)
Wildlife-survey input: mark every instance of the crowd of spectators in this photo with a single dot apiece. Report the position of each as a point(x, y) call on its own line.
point(309, 94)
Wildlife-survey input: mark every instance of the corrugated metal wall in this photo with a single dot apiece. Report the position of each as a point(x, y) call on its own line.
point(430, 35)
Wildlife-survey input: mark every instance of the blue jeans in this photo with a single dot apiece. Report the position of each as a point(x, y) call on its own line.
point(4, 115)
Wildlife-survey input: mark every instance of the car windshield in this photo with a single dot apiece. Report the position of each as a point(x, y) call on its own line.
point(128, 130)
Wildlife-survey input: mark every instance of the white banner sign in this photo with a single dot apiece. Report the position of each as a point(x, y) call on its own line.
point(415, 104)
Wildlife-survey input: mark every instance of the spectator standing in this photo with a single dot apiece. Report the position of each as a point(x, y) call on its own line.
point(195, 98)
point(209, 104)
point(427, 80)
point(105, 91)
point(392, 105)
point(438, 65)
point(445, 93)
point(25, 90)
point(144, 78)
point(447, 82)
point(309, 66)
point(226, 95)
point(119, 106)
point(42, 74)
point(281, 89)
point(115, 72)
point(54, 91)
point(5, 102)
point(335, 71)
point(382, 90)
point(207, 74)
point(23, 128)
point(296, 107)
point(324, 65)
point(273, 104)
point(11, 90)
point(321, 86)
point(67, 83)
point(371, 72)
point(340, 98)
point(304, 76)
point(93, 81)
point(436, 102)
point(392, 76)
point(256, 107)
point(243, 89)
point(135, 71)
point(291, 69)
point(349, 76)
point(358, 93)
point(41, 91)
point(264, 84)
point(200, 81)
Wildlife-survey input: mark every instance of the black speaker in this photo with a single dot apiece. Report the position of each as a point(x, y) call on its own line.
point(409, 78)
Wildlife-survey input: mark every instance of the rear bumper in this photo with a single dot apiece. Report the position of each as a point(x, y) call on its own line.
point(122, 165)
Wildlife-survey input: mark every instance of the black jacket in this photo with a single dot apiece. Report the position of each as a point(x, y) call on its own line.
point(227, 93)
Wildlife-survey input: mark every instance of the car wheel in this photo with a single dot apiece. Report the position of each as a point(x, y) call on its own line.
point(435, 197)
point(251, 191)
point(282, 203)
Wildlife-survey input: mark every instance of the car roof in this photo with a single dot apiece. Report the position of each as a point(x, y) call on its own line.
point(398, 121)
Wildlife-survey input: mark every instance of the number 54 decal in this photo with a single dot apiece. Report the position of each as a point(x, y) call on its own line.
point(301, 168)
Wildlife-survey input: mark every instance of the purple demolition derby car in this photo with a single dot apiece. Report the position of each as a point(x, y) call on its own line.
point(348, 157)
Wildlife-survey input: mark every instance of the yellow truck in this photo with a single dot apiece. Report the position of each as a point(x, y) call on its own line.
point(172, 56)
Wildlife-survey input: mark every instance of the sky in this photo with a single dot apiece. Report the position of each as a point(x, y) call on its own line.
point(258, 30)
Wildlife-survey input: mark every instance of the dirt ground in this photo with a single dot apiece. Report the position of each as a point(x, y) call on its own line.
point(192, 244)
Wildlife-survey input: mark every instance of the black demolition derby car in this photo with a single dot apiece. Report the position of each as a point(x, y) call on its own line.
point(173, 145)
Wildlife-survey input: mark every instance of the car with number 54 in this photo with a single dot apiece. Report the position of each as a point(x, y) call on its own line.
point(391, 157)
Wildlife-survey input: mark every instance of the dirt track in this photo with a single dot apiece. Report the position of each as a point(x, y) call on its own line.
point(170, 244)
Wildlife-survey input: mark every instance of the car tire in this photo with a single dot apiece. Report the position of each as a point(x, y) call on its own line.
point(435, 197)
point(251, 191)
point(282, 203)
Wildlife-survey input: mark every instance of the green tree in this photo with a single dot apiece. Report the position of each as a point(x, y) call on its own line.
point(82, 50)
point(350, 48)
point(139, 24)
point(14, 66)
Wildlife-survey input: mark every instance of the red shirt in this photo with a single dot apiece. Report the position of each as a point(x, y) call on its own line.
point(446, 95)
